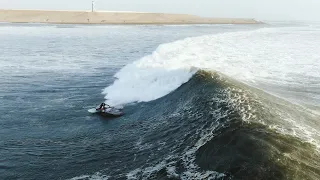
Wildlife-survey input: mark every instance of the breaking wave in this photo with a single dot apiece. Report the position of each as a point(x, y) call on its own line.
point(210, 108)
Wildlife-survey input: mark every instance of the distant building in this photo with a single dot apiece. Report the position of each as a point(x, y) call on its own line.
point(92, 6)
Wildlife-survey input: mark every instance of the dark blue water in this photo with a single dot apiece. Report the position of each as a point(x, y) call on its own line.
point(50, 76)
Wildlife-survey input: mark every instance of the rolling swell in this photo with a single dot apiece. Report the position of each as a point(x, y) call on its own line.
point(214, 127)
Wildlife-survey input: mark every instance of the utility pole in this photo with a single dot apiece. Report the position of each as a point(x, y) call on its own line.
point(92, 6)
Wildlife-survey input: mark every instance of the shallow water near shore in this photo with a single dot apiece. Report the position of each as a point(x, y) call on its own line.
point(200, 101)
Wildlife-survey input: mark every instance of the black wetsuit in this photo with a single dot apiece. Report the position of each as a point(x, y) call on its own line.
point(102, 106)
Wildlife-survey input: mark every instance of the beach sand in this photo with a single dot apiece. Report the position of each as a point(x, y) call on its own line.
point(108, 17)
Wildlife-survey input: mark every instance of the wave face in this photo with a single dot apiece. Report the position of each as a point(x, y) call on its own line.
point(207, 110)
point(214, 127)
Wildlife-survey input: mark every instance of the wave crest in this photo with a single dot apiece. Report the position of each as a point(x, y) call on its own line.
point(271, 56)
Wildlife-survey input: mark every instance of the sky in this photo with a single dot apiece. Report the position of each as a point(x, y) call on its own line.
point(295, 10)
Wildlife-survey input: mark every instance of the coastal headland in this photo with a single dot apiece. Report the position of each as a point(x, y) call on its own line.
point(109, 17)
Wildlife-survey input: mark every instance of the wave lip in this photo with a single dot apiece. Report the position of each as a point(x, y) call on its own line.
point(147, 80)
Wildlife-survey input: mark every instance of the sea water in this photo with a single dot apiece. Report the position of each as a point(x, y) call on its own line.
point(50, 75)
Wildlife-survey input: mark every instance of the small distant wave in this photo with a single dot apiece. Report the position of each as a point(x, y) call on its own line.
point(66, 26)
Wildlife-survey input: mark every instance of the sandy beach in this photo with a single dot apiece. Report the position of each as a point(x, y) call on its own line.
point(105, 17)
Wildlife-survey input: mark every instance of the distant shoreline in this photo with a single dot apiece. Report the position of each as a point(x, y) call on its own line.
point(112, 18)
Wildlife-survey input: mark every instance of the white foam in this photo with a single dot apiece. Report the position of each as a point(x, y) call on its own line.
point(96, 176)
point(142, 146)
point(288, 56)
point(145, 83)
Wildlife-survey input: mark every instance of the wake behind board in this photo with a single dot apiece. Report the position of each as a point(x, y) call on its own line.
point(92, 111)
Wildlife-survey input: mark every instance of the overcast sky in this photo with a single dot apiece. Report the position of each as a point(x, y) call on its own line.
point(258, 9)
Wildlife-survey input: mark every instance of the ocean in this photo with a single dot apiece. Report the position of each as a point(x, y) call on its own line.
point(199, 101)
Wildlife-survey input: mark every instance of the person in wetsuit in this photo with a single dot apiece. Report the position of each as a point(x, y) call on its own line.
point(102, 107)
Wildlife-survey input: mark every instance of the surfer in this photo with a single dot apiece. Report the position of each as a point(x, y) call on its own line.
point(106, 110)
point(103, 107)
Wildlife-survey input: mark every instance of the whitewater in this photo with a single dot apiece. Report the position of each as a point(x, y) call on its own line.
point(283, 57)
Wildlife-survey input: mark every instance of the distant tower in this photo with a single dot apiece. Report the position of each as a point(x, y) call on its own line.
point(92, 6)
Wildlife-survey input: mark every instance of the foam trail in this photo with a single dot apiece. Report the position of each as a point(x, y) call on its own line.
point(287, 56)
